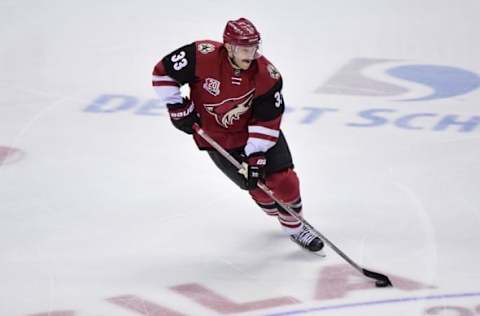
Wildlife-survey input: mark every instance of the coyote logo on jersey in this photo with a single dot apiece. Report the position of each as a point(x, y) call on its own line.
point(230, 110)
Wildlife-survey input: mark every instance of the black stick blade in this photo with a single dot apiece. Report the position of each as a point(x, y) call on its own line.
point(381, 279)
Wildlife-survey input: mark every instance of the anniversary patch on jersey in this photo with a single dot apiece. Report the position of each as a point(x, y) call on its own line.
point(212, 86)
point(274, 73)
point(205, 48)
point(229, 110)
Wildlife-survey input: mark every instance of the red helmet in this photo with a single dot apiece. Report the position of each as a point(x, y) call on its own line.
point(241, 32)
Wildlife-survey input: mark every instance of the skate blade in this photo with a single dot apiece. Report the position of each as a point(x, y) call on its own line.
point(321, 253)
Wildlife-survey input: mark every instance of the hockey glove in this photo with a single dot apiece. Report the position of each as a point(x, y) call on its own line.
point(183, 115)
point(253, 169)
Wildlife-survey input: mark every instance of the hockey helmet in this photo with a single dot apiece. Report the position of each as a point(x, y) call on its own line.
point(241, 32)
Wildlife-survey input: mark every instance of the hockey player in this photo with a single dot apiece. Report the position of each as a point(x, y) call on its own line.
point(236, 97)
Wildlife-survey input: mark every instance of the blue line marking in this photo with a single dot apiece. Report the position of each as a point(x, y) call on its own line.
point(370, 303)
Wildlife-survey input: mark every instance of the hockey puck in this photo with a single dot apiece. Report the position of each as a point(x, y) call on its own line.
point(382, 283)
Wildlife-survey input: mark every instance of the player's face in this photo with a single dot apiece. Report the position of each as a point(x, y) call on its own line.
point(243, 56)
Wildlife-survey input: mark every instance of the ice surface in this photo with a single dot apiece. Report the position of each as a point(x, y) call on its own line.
point(116, 212)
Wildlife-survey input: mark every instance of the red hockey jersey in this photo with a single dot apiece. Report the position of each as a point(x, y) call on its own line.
point(237, 108)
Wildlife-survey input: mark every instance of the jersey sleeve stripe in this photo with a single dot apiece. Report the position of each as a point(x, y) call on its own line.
point(263, 136)
point(164, 83)
point(169, 94)
point(263, 130)
point(162, 78)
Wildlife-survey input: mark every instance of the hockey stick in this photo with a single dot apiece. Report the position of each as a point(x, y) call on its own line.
point(381, 280)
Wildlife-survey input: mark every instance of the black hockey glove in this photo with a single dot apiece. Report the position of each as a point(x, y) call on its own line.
point(183, 115)
point(254, 169)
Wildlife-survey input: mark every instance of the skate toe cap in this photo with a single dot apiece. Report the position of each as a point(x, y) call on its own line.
point(316, 245)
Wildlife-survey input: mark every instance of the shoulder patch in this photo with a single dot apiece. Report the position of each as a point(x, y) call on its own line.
point(273, 72)
point(205, 48)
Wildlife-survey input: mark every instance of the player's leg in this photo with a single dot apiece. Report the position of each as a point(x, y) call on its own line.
point(286, 186)
point(282, 179)
point(279, 176)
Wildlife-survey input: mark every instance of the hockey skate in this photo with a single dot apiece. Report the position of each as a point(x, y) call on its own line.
point(307, 240)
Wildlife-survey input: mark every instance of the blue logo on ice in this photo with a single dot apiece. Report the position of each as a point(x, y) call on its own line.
point(445, 81)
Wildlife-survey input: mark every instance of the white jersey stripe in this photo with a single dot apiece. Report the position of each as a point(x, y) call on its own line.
point(255, 145)
point(263, 130)
point(162, 78)
point(169, 94)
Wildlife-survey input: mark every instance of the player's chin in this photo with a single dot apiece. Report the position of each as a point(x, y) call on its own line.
point(245, 64)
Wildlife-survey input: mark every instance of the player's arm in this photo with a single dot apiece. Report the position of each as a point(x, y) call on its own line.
point(263, 131)
point(264, 128)
point(173, 71)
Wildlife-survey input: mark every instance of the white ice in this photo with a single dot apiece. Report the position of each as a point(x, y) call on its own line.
point(117, 214)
